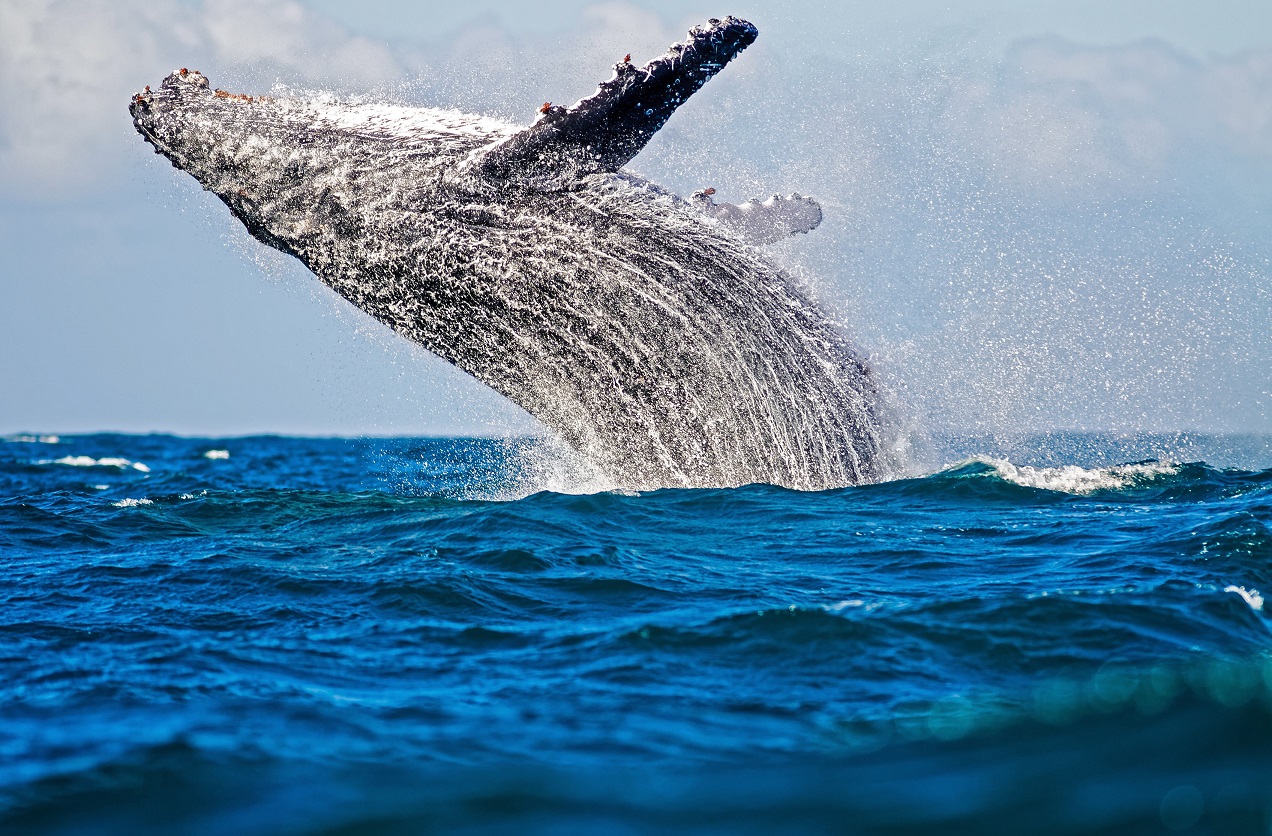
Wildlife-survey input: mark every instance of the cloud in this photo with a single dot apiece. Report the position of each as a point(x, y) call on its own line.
point(490, 69)
point(68, 69)
point(1068, 116)
point(283, 36)
point(1239, 94)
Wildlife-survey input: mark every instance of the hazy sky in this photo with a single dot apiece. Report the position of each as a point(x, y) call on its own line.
point(1038, 215)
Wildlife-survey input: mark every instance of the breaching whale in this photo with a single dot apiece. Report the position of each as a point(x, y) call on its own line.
point(648, 331)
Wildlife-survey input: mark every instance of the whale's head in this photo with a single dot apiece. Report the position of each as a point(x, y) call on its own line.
point(185, 120)
point(153, 110)
point(228, 142)
point(285, 164)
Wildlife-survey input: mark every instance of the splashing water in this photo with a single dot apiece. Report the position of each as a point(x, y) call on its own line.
point(654, 341)
point(1074, 479)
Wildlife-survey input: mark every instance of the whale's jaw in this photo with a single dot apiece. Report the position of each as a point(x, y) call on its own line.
point(668, 353)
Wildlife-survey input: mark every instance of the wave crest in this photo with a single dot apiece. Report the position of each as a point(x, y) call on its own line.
point(105, 461)
point(1070, 479)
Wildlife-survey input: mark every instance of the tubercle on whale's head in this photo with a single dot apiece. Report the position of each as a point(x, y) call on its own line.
point(193, 78)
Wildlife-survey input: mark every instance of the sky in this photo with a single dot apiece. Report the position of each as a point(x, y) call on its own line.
point(1039, 216)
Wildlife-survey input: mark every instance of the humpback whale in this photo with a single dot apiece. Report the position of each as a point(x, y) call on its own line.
point(648, 331)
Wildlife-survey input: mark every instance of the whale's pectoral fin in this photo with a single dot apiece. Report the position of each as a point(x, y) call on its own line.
point(604, 131)
point(763, 222)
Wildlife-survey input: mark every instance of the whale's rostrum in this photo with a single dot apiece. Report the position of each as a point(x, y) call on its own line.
point(646, 330)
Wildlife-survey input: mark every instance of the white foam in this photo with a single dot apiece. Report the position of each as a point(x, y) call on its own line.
point(34, 439)
point(105, 461)
point(132, 503)
point(405, 122)
point(217, 454)
point(544, 464)
point(1251, 596)
point(1071, 478)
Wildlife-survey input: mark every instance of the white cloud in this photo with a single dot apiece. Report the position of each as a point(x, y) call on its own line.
point(487, 68)
point(283, 36)
point(67, 70)
point(1239, 91)
point(1073, 116)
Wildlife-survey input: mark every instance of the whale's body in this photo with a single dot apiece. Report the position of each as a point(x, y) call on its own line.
point(654, 339)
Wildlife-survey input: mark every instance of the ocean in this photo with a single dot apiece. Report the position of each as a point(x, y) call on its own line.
point(272, 635)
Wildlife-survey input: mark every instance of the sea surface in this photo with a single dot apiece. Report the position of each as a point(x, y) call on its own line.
point(276, 635)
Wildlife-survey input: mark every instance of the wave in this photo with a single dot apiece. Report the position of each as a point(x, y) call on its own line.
point(317, 603)
point(1148, 754)
point(1070, 479)
point(1250, 596)
point(105, 461)
point(541, 466)
point(133, 503)
point(987, 476)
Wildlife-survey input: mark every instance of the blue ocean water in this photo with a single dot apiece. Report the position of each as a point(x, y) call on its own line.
point(290, 635)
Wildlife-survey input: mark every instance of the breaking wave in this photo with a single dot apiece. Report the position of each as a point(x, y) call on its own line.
point(1072, 478)
point(104, 461)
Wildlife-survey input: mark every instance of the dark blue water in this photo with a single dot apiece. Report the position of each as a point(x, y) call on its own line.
point(376, 636)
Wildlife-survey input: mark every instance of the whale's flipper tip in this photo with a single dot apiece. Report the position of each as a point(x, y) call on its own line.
point(604, 131)
point(763, 221)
